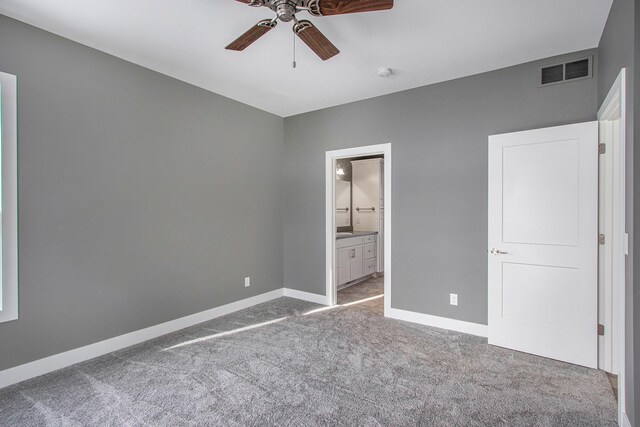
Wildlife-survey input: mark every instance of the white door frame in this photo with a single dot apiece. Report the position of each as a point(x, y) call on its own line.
point(614, 108)
point(9, 297)
point(330, 230)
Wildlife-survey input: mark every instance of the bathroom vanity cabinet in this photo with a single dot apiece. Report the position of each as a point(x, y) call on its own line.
point(356, 256)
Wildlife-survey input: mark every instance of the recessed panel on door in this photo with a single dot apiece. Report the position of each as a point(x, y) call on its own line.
point(539, 294)
point(540, 193)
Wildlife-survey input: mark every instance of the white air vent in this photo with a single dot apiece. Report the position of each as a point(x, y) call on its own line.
point(567, 72)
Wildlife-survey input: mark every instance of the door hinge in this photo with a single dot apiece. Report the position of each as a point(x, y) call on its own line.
point(601, 330)
point(601, 239)
point(602, 148)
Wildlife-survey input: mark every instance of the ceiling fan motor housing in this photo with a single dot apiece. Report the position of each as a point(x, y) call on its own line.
point(285, 9)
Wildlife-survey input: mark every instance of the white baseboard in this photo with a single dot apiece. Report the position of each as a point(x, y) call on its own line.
point(306, 296)
point(625, 420)
point(62, 360)
point(440, 322)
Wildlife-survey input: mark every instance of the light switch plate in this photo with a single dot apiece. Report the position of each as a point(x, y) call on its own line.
point(247, 282)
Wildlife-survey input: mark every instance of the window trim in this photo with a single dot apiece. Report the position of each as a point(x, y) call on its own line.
point(9, 193)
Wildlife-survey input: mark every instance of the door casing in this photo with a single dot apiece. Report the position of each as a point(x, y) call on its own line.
point(331, 158)
point(612, 298)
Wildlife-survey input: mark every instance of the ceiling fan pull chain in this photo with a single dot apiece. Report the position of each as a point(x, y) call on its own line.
point(294, 50)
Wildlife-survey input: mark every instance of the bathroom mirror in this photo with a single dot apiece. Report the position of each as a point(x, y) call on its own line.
point(343, 203)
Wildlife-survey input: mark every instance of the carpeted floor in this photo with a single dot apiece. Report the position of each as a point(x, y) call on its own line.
point(293, 363)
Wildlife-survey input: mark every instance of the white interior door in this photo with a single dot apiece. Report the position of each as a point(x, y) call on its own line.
point(543, 237)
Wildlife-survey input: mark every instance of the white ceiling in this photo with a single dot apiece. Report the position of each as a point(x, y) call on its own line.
point(423, 41)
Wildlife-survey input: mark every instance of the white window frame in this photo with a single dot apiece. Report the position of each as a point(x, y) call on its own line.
point(9, 193)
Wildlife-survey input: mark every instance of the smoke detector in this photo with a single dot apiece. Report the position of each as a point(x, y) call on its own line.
point(385, 73)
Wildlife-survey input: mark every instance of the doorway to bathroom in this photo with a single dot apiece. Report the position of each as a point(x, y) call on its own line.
point(358, 227)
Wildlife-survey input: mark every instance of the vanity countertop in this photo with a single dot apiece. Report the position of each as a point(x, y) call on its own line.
point(354, 234)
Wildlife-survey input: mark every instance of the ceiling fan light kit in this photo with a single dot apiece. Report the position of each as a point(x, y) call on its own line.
point(286, 10)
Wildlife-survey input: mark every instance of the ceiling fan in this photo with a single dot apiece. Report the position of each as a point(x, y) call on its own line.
point(307, 32)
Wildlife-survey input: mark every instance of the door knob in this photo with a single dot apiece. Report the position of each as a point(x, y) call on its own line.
point(495, 251)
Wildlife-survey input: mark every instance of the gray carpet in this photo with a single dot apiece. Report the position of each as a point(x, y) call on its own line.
point(311, 366)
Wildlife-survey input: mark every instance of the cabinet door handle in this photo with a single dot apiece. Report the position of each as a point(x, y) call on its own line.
point(353, 253)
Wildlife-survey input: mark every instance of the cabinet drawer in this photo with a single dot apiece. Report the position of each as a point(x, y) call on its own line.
point(351, 241)
point(369, 250)
point(370, 238)
point(369, 266)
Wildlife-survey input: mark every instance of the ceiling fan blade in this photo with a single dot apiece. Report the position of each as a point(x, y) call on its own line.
point(256, 3)
point(257, 31)
point(341, 7)
point(316, 41)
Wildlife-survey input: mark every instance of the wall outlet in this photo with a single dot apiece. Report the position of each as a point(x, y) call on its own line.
point(453, 299)
point(247, 282)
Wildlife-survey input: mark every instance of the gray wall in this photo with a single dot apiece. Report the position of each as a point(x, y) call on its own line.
point(616, 51)
point(141, 198)
point(439, 166)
